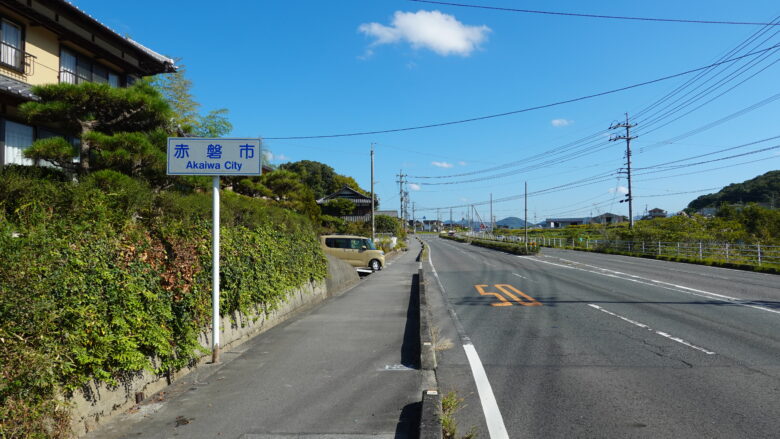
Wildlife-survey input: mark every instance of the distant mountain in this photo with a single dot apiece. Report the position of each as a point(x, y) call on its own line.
point(763, 189)
point(512, 222)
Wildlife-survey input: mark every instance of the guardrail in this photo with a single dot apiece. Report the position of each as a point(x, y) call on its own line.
point(730, 253)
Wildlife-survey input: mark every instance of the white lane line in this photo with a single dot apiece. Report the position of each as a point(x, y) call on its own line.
point(520, 276)
point(655, 283)
point(495, 423)
point(493, 418)
point(662, 334)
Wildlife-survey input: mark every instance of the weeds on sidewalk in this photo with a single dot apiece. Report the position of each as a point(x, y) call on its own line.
point(450, 404)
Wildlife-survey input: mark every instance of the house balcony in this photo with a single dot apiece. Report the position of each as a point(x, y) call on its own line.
point(16, 59)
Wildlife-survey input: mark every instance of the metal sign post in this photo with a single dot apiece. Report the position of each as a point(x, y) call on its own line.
point(214, 157)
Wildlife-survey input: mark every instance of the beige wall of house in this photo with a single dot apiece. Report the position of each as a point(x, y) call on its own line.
point(43, 46)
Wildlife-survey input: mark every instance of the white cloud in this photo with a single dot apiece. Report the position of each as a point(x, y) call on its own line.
point(619, 189)
point(561, 122)
point(271, 157)
point(441, 33)
point(462, 163)
point(442, 164)
point(414, 186)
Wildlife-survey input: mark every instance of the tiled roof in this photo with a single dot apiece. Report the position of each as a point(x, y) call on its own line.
point(168, 62)
point(16, 88)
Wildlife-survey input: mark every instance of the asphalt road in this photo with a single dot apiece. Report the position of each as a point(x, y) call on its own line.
point(578, 344)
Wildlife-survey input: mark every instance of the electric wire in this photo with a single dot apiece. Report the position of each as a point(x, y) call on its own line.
point(600, 16)
point(731, 148)
point(527, 109)
point(713, 124)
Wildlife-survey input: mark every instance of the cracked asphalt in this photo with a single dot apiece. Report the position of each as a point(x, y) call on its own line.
point(619, 347)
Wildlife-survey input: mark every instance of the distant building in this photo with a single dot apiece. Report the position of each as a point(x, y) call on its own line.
point(608, 218)
point(362, 210)
point(707, 211)
point(557, 223)
point(655, 213)
point(605, 218)
point(432, 225)
point(390, 213)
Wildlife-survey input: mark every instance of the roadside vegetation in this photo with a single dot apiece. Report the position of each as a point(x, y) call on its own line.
point(751, 224)
point(451, 403)
point(509, 247)
point(105, 261)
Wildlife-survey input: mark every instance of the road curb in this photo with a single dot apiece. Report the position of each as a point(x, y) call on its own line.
point(430, 417)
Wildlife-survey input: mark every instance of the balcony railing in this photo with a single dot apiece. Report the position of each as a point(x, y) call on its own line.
point(16, 59)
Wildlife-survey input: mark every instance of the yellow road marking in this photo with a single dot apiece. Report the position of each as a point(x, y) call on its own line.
point(504, 289)
point(503, 301)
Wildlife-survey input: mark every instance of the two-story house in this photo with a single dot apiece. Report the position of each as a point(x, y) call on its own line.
point(53, 41)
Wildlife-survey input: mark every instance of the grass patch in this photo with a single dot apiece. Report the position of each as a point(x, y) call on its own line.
point(450, 404)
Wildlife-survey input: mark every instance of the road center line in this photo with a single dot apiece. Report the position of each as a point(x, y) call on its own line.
point(655, 283)
point(662, 334)
point(493, 419)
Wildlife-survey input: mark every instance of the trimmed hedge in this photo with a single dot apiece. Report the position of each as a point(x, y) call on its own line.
point(454, 238)
point(105, 278)
point(509, 247)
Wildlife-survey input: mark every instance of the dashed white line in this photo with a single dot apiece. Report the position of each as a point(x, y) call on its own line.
point(493, 418)
point(662, 334)
point(653, 282)
point(495, 423)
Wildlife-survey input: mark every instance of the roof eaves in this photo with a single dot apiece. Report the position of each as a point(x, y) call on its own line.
point(168, 63)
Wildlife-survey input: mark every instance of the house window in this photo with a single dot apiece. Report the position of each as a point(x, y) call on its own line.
point(11, 52)
point(18, 137)
point(67, 67)
point(113, 79)
point(75, 69)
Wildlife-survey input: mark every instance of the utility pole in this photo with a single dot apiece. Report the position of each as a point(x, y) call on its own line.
point(414, 219)
point(373, 225)
point(525, 221)
point(452, 228)
point(627, 137)
point(402, 194)
point(491, 212)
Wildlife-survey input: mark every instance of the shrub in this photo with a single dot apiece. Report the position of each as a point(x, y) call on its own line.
point(509, 247)
point(105, 278)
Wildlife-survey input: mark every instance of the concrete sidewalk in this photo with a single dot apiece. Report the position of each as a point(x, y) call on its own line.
point(347, 368)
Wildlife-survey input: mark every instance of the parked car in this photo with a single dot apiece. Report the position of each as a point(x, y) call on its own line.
point(451, 233)
point(357, 251)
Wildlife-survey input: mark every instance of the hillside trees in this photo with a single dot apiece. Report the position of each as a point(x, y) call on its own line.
point(176, 89)
point(321, 178)
point(762, 189)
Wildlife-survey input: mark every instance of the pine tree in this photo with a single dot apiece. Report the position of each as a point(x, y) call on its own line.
point(117, 128)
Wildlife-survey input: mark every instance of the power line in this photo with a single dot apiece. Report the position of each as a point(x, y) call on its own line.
point(770, 148)
point(712, 124)
point(582, 15)
point(680, 193)
point(687, 174)
point(528, 109)
point(731, 148)
point(665, 112)
point(743, 45)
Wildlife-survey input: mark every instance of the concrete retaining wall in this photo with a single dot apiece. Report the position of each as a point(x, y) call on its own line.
point(98, 402)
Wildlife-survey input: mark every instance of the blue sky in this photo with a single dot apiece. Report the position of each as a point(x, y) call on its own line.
point(287, 68)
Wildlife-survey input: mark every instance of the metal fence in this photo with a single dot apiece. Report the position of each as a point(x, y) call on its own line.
point(748, 254)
